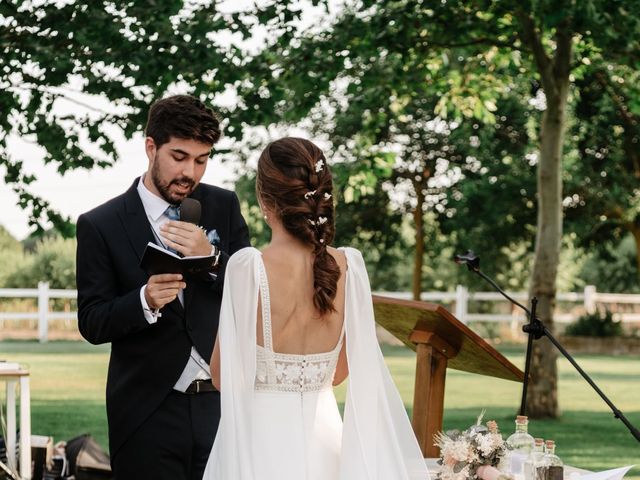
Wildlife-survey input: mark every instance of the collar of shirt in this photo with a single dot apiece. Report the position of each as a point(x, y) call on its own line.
point(154, 206)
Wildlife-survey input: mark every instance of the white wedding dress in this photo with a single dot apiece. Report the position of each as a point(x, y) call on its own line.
point(280, 419)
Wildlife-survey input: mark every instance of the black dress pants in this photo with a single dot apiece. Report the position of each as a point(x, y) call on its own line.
point(174, 442)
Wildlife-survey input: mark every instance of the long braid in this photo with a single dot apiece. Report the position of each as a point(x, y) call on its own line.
point(325, 285)
point(294, 178)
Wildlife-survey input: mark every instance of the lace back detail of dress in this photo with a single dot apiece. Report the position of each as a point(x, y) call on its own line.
point(283, 372)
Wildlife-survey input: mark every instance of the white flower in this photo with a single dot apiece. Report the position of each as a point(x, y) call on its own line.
point(322, 220)
point(309, 194)
point(486, 444)
point(327, 196)
point(464, 473)
point(497, 440)
point(460, 450)
point(319, 165)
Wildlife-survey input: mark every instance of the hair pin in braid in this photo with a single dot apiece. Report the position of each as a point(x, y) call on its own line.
point(312, 193)
point(318, 221)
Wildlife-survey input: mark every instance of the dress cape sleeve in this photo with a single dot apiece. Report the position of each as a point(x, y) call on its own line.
point(232, 453)
point(378, 442)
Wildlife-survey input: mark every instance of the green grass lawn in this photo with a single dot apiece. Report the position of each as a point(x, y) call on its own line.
point(68, 383)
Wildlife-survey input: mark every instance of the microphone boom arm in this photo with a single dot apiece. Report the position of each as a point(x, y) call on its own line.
point(535, 330)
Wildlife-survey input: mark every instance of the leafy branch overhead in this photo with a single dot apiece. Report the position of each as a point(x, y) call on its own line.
point(76, 75)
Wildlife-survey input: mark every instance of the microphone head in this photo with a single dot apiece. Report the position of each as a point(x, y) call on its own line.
point(190, 210)
point(470, 259)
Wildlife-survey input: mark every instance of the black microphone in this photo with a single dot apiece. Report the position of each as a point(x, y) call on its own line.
point(470, 259)
point(190, 210)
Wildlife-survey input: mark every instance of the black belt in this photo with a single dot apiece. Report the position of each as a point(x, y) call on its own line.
point(200, 386)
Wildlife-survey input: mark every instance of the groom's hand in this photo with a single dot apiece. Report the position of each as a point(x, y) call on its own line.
point(186, 238)
point(162, 289)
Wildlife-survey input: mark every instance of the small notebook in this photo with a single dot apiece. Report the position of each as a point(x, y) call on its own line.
point(157, 260)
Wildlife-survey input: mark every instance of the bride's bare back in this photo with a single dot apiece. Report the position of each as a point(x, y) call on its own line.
point(297, 327)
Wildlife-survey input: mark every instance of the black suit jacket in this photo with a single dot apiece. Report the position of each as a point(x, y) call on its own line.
point(146, 360)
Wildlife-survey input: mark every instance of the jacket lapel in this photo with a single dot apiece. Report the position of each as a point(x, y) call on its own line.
point(138, 229)
point(188, 292)
point(135, 220)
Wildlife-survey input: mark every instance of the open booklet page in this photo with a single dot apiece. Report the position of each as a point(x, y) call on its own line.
point(157, 260)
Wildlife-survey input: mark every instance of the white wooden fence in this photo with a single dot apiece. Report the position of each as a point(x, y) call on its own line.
point(43, 293)
point(585, 301)
point(588, 300)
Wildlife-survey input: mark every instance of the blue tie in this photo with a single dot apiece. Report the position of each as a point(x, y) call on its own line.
point(173, 212)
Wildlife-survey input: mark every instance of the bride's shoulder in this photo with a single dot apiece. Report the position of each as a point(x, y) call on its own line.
point(348, 252)
point(352, 256)
point(243, 256)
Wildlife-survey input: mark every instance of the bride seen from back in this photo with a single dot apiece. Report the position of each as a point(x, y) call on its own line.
point(296, 319)
point(305, 276)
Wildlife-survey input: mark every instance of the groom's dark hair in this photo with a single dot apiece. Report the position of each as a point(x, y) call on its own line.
point(182, 116)
point(295, 183)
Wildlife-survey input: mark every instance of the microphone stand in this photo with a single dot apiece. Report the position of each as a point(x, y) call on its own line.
point(535, 330)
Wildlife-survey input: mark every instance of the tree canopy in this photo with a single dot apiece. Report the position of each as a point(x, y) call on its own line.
point(402, 76)
point(75, 75)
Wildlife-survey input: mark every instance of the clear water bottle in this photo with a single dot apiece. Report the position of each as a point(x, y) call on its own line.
point(534, 460)
point(551, 463)
point(520, 446)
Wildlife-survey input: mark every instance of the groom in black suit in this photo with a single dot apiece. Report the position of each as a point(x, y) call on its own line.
point(162, 409)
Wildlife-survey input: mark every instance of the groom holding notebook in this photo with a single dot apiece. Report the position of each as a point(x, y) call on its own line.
point(162, 409)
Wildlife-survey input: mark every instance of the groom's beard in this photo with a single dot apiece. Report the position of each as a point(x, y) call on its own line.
point(164, 187)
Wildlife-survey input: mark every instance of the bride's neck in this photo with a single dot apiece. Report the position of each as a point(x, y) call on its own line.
point(281, 238)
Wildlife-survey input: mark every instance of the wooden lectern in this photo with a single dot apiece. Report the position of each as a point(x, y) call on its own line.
point(440, 341)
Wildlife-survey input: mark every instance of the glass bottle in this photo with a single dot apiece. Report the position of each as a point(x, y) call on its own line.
point(554, 468)
point(534, 460)
point(520, 445)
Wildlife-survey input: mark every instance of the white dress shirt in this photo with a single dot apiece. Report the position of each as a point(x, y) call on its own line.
point(154, 206)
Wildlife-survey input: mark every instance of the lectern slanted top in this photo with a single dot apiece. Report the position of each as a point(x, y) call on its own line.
point(441, 341)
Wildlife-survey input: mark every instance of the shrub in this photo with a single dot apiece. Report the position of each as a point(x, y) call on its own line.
point(11, 253)
point(595, 325)
point(53, 261)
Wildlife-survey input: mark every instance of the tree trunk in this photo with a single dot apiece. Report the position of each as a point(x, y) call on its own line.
point(542, 400)
point(418, 219)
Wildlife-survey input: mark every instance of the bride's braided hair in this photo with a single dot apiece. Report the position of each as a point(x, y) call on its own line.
point(294, 181)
